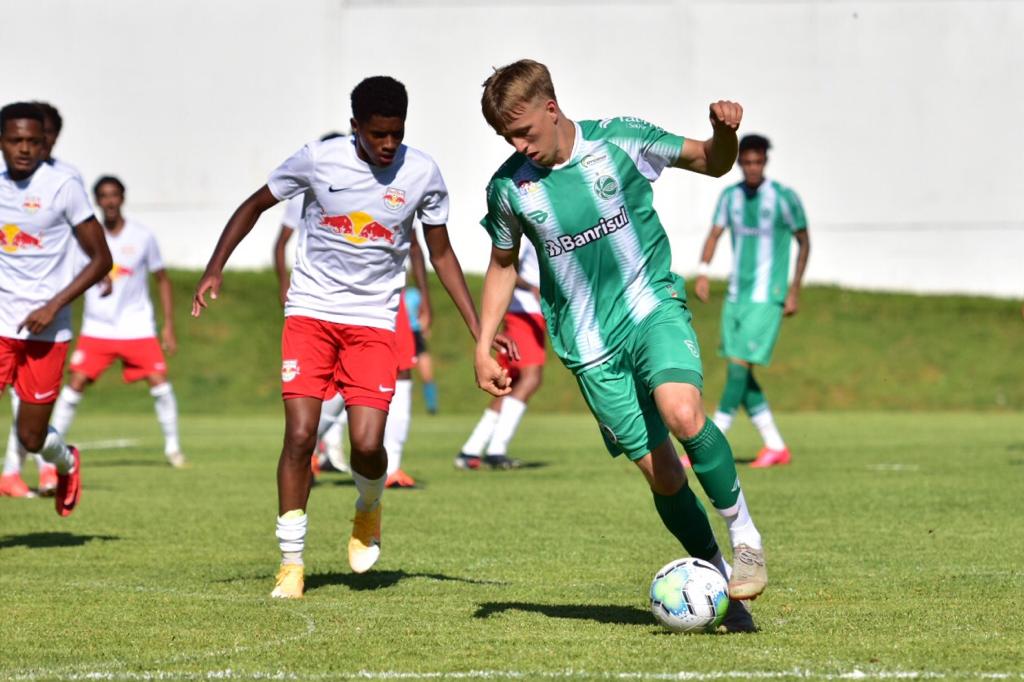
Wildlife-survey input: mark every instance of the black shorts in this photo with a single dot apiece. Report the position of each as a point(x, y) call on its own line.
point(421, 343)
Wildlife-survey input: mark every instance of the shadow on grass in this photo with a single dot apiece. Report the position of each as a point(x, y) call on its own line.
point(50, 540)
point(379, 580)
point(600, 613)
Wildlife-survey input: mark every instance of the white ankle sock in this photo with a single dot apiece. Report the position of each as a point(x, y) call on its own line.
point(167, 414)
point(15, 455)
point(370, 491)
point(396, 431)
point(64, 410)
point(723, 420)
point(765, 423)
point(512, 410)
point(482, 433)
point(742, 530)
point(291, 535)
point(56, 452)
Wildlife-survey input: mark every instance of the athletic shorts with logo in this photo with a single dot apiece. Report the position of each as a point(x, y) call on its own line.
point(662, 349)
point(750, 330)
point(317, 356)
point(139, 358)
point(33, 368)
point(528, 330)
point(405, 342)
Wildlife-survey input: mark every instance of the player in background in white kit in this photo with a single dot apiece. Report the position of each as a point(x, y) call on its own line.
point(524, 324)
point(42, 209)
point(118, 322)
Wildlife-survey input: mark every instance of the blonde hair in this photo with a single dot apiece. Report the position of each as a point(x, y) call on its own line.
point(512, 85)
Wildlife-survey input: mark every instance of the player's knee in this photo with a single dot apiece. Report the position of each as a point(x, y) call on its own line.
point(685, 419)
point(31, 439)
point(366, 448)
point(300, 439)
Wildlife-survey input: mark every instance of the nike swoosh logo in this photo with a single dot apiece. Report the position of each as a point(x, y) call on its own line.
point(44, 396)
point(332, 188)
point(382, 389)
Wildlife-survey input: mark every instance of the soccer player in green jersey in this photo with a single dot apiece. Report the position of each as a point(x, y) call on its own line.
point(764, 217)
point(581, 192)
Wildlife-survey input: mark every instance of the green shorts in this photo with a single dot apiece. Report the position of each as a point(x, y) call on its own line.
point(663, 349)
point(750, 330)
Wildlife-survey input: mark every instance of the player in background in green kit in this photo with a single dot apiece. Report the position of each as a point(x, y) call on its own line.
point(764, 217)
point(617, 318)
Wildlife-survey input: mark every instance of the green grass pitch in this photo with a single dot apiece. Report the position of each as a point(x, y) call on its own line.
point(894, 550)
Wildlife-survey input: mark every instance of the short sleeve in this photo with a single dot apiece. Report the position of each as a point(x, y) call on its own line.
point(501, 222)
point(294, 176)
point(651, 147)
point(721, 217)
point(793, 211)
point(74, 202)
point(433, 208)
point(154, 262)
point(293, 211)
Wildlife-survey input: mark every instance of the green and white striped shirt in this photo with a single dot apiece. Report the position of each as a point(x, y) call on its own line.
point(761, 225)
point(604, 255)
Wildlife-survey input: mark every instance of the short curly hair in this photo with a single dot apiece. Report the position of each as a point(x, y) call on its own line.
point(381, 96)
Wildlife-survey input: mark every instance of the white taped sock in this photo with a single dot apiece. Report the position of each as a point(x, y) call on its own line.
point(765, 423)
point(56, 452)
point(167, 414)
point(512, 410)
point(370, 491)
point(742, 530)
point(64, 410)
point(482, 433)
point(291, 535)
point(396, 431)
point(723, 420)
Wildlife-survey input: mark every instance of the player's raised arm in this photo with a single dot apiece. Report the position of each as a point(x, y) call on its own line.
point(239, 225)
point(715, 155)
point(499, 283)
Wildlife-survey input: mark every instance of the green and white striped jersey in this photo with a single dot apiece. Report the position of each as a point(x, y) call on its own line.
point(604, 255)
point(761, 225)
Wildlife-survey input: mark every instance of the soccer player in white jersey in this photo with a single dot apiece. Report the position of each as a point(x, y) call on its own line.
point(362, 195)
point(616, 314)
point(764, 217)
point(118, 323)
point(41, 210)
point(524, 324)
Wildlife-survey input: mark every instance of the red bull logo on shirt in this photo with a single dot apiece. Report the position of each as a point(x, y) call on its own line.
point(394, 198)
point(358, 228)
point(119, 271)
point(13, 238)
point(32, 204)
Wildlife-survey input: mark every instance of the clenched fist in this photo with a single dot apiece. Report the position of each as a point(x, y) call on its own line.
point(726, 115)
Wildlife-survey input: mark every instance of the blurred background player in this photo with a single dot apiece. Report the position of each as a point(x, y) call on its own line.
point(420, 332)
point(524, 323)
point(362, 195)
point(118, 322)
point(763, 217)
point(14, 458)
point(42, 210)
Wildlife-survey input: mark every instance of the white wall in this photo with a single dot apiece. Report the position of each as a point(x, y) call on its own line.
point(897, 122)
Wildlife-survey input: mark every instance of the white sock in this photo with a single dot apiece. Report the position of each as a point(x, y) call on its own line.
point(64, 410)
point(15, 454)
point(370, 490)
point(723, 420)
point(56, 452)
point(742, 530)
point(482, 433)
point(765, 423)
point(291, 535)
point(396, 431)
point(512, 410)
point(167, 414)
point(330, 410)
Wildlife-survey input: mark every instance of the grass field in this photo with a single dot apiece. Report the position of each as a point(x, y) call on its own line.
point(894, 550)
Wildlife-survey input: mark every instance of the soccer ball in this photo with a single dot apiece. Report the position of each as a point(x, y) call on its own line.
point(689, 595)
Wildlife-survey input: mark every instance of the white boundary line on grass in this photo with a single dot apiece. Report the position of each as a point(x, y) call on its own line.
point(686, 676)
point(111, 444)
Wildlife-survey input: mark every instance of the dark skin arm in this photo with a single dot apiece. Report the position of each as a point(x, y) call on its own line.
point(239, 224)
point(716, 155)
point(701, 286)
point(89, 234)
point(792, 304)
point(167, 338)
point(419, 276)
point(283, 278)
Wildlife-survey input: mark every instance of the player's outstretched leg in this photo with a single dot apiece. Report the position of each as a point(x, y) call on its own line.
point(369, 462)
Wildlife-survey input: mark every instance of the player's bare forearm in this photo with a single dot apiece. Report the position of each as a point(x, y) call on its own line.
point(715, 155)
point(238, 226)
point(803, 254)
point(280, 267)
point(711, 243)
point(449, 271)
point(499, 283)
point(163, 283)
point(419, 270)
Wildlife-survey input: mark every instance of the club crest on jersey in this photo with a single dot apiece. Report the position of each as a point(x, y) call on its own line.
point(32, 204)
point(394, 199)
point(13, 238)
point(527, 187)
point(606, 187)
point(289, 370)
point(358, 228)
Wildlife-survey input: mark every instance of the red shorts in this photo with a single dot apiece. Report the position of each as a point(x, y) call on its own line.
point(139, 358)
point(528, 331)
point(405, 342)
point(34, 368)
point(316, 356)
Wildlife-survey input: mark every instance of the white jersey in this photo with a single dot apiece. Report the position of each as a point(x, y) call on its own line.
point(127, 312)
point(293, 212)
point(523, 300)
point(351, 251)
point(37, 246)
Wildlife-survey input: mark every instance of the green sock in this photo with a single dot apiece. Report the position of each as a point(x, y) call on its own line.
point(735, 388)
point(685, 518)
point(753, 399)
point(714, 466)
